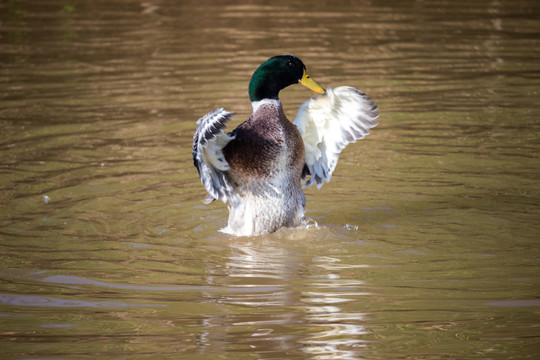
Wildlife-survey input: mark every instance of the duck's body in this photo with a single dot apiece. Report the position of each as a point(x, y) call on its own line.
point(266, 159)
point(258, 167)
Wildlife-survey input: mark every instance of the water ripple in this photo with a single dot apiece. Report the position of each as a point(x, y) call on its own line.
point(47, 301)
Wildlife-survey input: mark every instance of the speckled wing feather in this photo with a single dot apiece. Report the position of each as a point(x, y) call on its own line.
point(330, 122)
point(208, 143)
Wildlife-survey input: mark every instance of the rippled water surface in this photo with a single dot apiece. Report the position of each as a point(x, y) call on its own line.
point(427, 238)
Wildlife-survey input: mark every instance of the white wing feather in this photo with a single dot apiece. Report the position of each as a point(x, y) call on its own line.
point(208, 143)
point(330, 122)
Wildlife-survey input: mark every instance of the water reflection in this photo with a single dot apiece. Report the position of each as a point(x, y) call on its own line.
point(322, 317)
point(341, 331)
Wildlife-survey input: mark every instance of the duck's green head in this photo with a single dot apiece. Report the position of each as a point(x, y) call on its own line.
point(277, 73)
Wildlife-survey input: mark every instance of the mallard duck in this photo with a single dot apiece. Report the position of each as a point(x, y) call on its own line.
point(258, 167)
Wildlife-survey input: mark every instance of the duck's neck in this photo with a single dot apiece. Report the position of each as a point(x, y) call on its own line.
point(271, 102)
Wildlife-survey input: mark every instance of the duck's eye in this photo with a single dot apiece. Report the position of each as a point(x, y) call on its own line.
point(290, 64)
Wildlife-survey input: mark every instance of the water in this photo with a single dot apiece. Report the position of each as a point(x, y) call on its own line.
point(426, 245)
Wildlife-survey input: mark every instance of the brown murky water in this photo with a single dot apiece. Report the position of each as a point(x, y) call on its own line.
point(427, 238)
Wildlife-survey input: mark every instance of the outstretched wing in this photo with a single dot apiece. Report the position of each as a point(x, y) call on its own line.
point(208, 143)
point(330, 122)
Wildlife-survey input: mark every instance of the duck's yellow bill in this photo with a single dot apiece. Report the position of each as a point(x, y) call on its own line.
point(311, 84)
